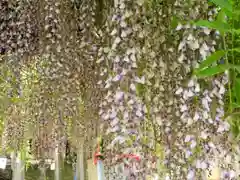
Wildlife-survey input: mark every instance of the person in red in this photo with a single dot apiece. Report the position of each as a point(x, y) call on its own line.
point(99, 156)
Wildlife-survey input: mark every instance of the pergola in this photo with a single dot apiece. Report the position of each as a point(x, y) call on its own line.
point(75, 70)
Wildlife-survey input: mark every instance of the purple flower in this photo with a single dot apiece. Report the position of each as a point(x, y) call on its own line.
point(191, 175)
point(193, 144)
point(119, 95)
point(113, 114)
point(188, 138)
point(228, 174)
point(117, 78)
point(188, 154)
point(114, 122)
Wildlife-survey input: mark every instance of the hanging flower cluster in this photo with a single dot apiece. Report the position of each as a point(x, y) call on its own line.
point(121, 108)
point(18, 27)
point(134, 70)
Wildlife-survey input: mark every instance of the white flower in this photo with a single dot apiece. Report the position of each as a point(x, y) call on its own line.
point(210, 120)
point(117, 59)
point(183, 108)
point(205, 103)
point(196, 116)
point(130, 102)
point(187, 26)
point(232, 174)
point(125, 115)
point(206, 31)
point(204, 135)
point(188, 138)
point(159, 121)
point(204, 165)
point(211, 145)
point(190, 93)
point(179, 27)
point(134, 65)
point(181, 45)
point(132, 87)
point(191, 83)
point(107, 85)
point(193, 45)
point(105, 116)
point(208, 98)
point(222, 89)
point(198, 164)
point(140, 80)
point(122, 6)
point(203, 53)
point(128, 14)
point(139, 113)
point(113, 114)
point(185, 95)
point(197, 88)
point(189, 121)
point(193, 144)
point(205, 115)
point(117, 40)
point(224, 126)
point(123, 24)
point(133, 57)
point(201, 164)
point(119, 139)
point(123, 34)
point(190, 37)
point(114, 122)
point(126, 59)
point(114, 32)
point(179, 91)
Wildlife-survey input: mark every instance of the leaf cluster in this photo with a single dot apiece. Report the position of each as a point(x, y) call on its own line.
point(226, 59)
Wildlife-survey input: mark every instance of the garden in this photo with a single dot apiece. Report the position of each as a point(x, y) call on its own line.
point(138, 89)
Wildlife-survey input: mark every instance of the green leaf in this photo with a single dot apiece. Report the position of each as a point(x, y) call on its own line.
point(229, 14)
point(159, 151)
point(211, 59)
point(221, 26)
point(236, 67)
point(221, 16)
point(211, 71)
point(235, 49)
point(235, 105)
point(174, 22)
point(224, 4)
point(237, 90)
point(236, 31)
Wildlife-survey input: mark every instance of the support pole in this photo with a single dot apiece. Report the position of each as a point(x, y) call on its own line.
point(57, 164)
point(98, 157)
point(80, 164)
point(100, 170)
point(18, 168)
point(42, 170)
